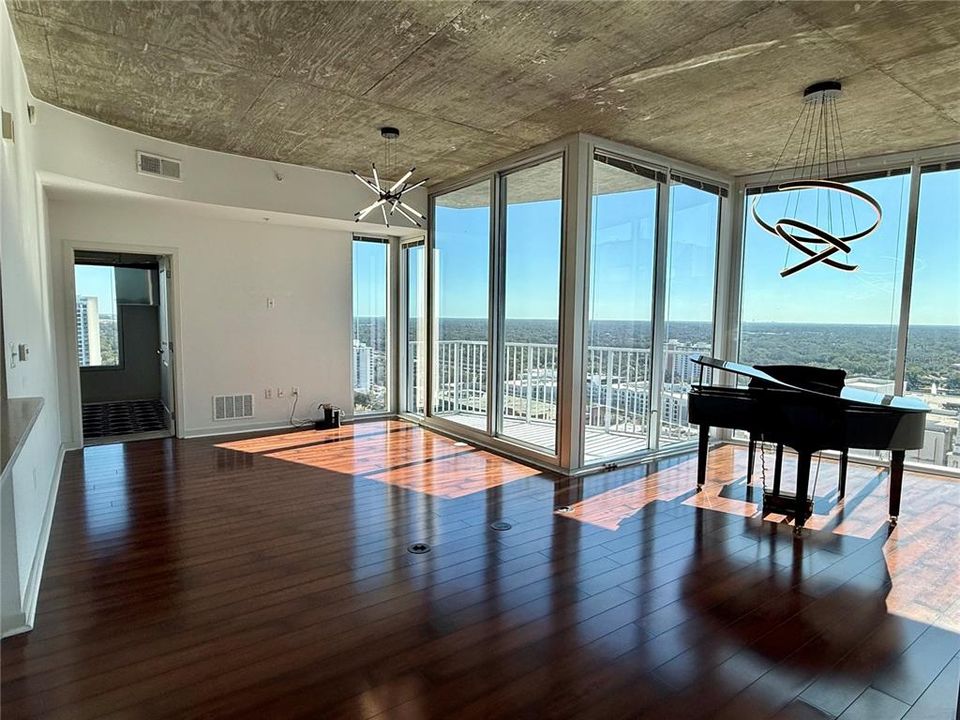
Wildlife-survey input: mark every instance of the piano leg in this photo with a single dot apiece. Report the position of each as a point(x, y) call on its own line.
point(843, 475)
point(751, 454)
point(803, 487)
point(896, 484)
point(702, 449)
point(778, 469)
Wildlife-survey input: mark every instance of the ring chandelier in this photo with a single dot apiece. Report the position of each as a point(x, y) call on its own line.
point(819, 156)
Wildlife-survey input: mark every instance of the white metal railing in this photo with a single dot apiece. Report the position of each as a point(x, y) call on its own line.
point(617, 384)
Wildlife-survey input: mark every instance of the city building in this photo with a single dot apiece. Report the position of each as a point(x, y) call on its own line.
point(88, 331)
point(362, 367)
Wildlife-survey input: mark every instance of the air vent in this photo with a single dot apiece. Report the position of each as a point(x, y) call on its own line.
point(231, 407)
point(158, 166)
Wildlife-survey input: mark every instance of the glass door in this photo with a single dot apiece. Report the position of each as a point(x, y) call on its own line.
point(692, 233)
point(533, 211)
point(618, 367)
point(413, 349)
point(461, 304)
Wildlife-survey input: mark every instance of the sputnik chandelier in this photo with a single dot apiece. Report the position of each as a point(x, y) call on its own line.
point(393, 195)
point(819, 218)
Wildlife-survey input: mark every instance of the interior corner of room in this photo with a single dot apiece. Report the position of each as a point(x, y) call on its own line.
point(480, 262)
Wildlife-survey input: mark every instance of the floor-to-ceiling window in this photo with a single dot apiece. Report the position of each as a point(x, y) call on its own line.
point(414, 330)
point(370, 364)
point(821, 315)
point(619, 330)
point(692, 236)
point(461, 302)
point(932, 368)
point(531, 303)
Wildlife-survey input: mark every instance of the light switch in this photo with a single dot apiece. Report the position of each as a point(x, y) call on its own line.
point(270, 303)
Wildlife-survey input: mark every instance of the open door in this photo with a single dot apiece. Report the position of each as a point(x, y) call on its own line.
point(166, 348)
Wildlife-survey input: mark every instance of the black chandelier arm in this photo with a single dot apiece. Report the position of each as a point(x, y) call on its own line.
point(813, 256)
point(820, 257)
point(843, 188)
point(821, 236)
point(824, 254)
point(825, 185)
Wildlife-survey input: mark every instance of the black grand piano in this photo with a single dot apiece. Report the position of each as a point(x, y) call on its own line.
point(808, 409)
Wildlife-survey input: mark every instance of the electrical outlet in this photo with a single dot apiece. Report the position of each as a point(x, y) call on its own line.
point(279, 392)
point(295, 390)
point(268, 394)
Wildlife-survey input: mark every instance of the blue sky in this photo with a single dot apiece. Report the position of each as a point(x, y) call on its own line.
point(370, 279)
point(97, 280)
point(623, 255)
point(871, 294)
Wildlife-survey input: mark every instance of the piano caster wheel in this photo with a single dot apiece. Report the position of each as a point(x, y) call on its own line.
point(893, 521)
point(699, 488)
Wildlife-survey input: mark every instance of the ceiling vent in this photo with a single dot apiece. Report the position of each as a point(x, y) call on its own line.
point(232, 407)
point(157, 166)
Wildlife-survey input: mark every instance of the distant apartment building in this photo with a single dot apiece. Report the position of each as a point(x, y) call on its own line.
point(88, 331)
point(362, 366)
point(679, 367)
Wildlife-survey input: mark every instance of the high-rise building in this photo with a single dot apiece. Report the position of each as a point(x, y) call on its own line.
point(362, 366)
point(88, 331)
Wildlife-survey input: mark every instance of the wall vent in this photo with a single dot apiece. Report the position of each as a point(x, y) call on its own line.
point(157, 166)
point(231, 407)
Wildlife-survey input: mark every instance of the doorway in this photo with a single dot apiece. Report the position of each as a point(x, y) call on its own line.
point(124, 350)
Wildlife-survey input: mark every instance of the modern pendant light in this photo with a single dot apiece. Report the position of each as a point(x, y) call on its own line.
point(393, 195)
point(829, 223)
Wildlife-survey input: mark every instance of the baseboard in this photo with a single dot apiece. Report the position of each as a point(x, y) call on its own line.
point(213, 431)
point(36, 571)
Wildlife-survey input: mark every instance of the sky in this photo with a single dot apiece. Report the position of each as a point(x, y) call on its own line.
point(97, 280)
point(623, 256)
point(871, 294)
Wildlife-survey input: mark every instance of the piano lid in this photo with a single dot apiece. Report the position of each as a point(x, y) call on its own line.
point(853, 395)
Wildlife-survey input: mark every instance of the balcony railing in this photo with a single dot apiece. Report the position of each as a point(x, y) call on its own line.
point(617, 385)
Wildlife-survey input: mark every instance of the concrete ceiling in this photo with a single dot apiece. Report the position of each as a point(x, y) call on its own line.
point(715, 83)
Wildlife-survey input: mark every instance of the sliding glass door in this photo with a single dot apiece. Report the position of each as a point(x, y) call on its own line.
point(532, 240)
point(619, 333)
point(641, 332)
point(692, 236)
point(461, 304)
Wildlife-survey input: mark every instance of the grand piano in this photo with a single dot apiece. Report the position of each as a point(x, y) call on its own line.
point(809, 410)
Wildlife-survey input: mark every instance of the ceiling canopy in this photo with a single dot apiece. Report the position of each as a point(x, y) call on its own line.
point(468, 83)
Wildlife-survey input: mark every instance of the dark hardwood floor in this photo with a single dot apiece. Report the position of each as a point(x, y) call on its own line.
point(269, 577)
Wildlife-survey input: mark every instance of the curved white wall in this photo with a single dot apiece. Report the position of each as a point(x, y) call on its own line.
point(74, 146)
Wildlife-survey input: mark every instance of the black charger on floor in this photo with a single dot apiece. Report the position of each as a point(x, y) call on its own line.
point(329, 417)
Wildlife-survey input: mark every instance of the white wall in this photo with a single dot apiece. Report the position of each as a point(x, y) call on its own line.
point(74, 146)
point(29, 487)
point(229, 341)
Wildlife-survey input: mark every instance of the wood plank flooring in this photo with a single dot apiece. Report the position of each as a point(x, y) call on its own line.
point(269, 577)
